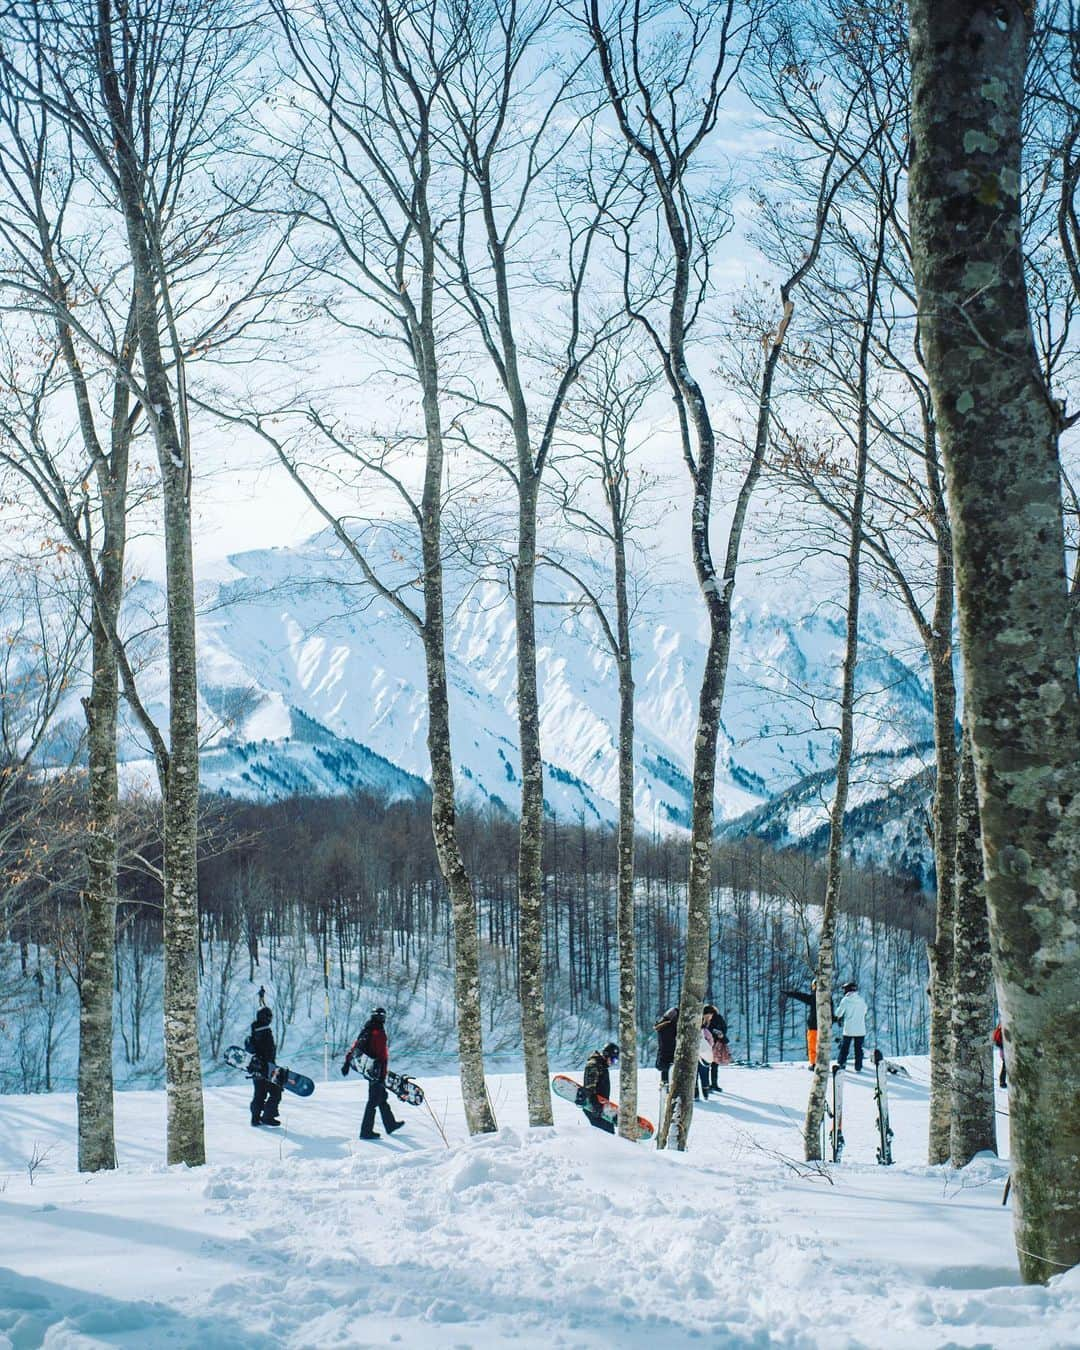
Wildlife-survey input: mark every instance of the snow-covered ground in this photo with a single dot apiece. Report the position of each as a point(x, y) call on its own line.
point(548, 1238)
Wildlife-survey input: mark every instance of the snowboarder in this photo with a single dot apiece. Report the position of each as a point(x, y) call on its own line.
point(717, 1025)
point(810, 1000)
point(665, 1030)
point(851, 1014)
point(373, 1043)
point(999, 1040)
point(598, 1084)
point(265, 1096)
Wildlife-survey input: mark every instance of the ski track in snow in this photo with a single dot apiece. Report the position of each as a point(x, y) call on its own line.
point(548, 1238)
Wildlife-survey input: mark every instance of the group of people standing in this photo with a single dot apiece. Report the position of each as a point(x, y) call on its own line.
point(713, 1049)
point(850, 1014)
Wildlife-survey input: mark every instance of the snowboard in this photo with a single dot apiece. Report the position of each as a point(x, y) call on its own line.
point(275, 1073)
point(881, 1101)
point(399, 1085)
point(837, 1112)
point(572, 1091)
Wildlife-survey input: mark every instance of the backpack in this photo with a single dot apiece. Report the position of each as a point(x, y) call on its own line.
point(362, 1044)
point(249, 1043)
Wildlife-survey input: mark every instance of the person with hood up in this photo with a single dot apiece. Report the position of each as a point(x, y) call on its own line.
point(851, 1014)
point(597, 1086)
point(265, 1095)
point(666, 1029)
point(372, 1044)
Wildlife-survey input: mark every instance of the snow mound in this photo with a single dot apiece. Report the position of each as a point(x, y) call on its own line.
point(540, 1238)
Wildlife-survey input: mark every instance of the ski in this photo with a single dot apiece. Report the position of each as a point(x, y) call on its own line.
point(837, 1135)
point(881, 1100)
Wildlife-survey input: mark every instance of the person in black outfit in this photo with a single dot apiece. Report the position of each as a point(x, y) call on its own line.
point(810, 1000)
point(373, 1046)
point(265, 1096)
point(665, 1030)
point(598, 1084)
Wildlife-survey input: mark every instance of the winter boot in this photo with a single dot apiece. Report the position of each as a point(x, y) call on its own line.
point(370, 1134)
point(269, 1120)
point(390, 1129)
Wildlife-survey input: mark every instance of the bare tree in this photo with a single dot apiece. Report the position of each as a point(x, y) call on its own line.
point(148, 96)
point(371, 183)
point(999, 429)
point(602, 415)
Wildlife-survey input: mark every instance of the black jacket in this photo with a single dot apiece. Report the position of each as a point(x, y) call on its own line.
point(665, 1030)
point(718, 1026)
point(597, 1078)
point(262, 1044)
point(811, 1005)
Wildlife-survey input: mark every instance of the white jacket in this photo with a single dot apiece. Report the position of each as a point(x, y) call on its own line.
point(851, 1014)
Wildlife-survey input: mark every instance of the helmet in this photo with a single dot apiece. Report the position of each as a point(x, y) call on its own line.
point(264, 1016)
point(850, 986)
point(379, 1012)
point(610, 1051)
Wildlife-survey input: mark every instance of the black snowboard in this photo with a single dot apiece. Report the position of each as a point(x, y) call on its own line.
point(400, 1085)
point(273, 1073)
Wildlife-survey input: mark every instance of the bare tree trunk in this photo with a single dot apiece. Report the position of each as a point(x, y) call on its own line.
point(974, 1118)
point(624, 912)
point(940, 950)
point(97, 1142)
point(180, 773)
point(531, 829)
point(999, 428)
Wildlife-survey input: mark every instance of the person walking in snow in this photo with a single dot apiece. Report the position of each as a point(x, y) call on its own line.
point(598, 1085)
point(851, 1014)
point(265, 1095)
point(373, 1046)
point(810, 1000)
point(717, 1027)
point(665, 1030)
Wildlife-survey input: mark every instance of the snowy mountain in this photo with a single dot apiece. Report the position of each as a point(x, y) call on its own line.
point(313, 684)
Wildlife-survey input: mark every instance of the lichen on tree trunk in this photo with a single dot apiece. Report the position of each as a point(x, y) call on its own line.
point(998, 426)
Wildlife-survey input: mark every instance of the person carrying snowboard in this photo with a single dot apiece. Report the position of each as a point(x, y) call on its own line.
point(810, 1000)
point(265, 1096)
point(665, 1030)
point(851, 1014)
point(597, 1085)
point(372, 1044)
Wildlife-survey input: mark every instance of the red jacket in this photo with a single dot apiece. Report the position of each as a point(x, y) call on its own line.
point(378, 1048)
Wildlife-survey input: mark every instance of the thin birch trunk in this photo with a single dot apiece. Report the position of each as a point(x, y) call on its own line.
point(999, 427)
point(624, 912)
point(940, 951)
point(974, 1117)
point(179, 773)
point(531, 827)
point(97, 1142)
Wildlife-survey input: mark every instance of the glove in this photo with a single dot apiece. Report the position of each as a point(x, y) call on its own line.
point(345, 1068)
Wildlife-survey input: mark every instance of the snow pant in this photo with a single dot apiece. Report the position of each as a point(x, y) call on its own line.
point(811, 1045)
point(702, 1080)
point(595, 1118)
point(714, 1070)
point(665, 1069)
point(265, 1099)
point(376, 1097)
point(845, 1046)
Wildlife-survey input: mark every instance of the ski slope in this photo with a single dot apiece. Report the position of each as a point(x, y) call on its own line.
point(548, 1238)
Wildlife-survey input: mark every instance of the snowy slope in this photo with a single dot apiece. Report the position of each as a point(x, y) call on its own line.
point(538, 1238)
point(303, 668)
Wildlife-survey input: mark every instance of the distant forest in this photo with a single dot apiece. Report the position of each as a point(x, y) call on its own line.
point(329, 901)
